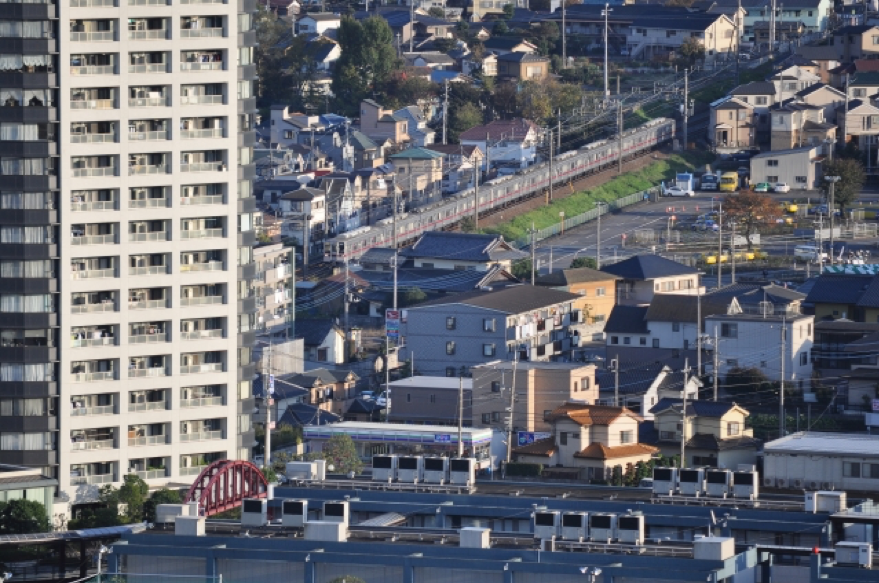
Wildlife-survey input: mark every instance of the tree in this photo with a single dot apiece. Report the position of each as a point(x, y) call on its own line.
point(443, 45)
point(462, 119)
point(368, 58)
point(413, 296)
point(748, 209)
point(521, 269)
point(746, 380)
point(269, 474)
point(690, 52)
point(402, 88)
point(341, 452)
point(539, 101)
point(851, 180)
point(23, 517)
point(161, 496)
point(268, 29)
point(467, 225)
point(500, 28)
point(584, 262)
point(509, 11)
point(436, 12)
point(133, 493)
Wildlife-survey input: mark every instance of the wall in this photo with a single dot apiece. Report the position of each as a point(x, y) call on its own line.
point(430, 405)
point(816, 467)
point(794, 168)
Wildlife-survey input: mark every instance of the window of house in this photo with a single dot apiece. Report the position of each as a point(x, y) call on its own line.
point(614, 339)
point(870, 471)
point(732, 362)
point(495, 417)
point(626, 436)
point(675, 353)
point(450, 323)
point(600, 291)
point(450, 347)
point(772, 163)
point(486, 418)
point(801, 179)
point(627, 340)
point(488, 324)
point(288, 135)
point(495, 386)
point(427, 265)
point(598, 318)
point(810, 14)
point(585, 382)
point(675, 326)
point(859, 92)
point(433, 398)
point(667, 435)
point(488, 350)
point(563, 438)
point(408, 397)
point(642, 341)
point(321, 354)
point(656, 343)
point(450, 371)
point(671, 33)
point(761, 100)
point(729, 330)
point(851, 469)
point(732, 428)
point(804, 358)
point(772, 178)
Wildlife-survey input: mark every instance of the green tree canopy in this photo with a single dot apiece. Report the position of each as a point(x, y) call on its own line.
point(521, 269)
point(413, 296)
point(691, 52)
point(23, 517)
point(341, 452)
point(584, 262)
point(851, 180)
point(368, 57)
point(161, 496)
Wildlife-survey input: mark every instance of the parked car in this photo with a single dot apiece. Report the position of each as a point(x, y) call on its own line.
point(762, 187)
point(781, 187)
point(743, 155)
point(677, 191)
point(744, 56)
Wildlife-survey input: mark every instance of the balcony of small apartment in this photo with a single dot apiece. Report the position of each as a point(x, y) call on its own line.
point(94, 371)
point(202, 362)
point(28, 104)
point(27, 29)
point(203, 94)
point(149, 163)
point(94, 98)
point(149, 434)
point(99, 201)
point(149, 29)
point(205, 27)
point(203, 430)
point(149, 231)
point(203, 128)
point(82, 234)
point(149, 130)
point(153, 332)
point(149, 197)
point(146, 401)
point(140, 96)
point(150, 468)
point(20, 276)
point(94, 166)
point(203, 295)
point(203, 329)
point(93, 405)
point(203, 194)
point(103, 30)
point(94, 267)
point(149, 264)
point(149, 62)
point(93, 64)
point(27, 242)
point(27, 345)
point(100, 336)
point(203, 261)
point(32, 174)
point(96, 302)
point(82, 440)
point(275, 270)
point(202, 228)
point(153, 366)
point(96, 473)
point(202, 396)
point(149, 298)
point(203, 60)
point(204, 161)
point(28, 140)
point(192, 464)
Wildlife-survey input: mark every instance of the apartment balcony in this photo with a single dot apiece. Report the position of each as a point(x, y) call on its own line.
point(104, 306)
point(94, 239)
point(191, 471)
point(201, 200)
point(202, 334)
point(97, 205)
point(147, 237)
point(92, 3)
point(203, 167)
point(91, 377)
point(93, 138)
point(207, 66)
point(149, 102)
point(93, 411)
point(155, 338)
point(201, 402)
point(202, 234)
point(147, 304)
point(149, 440)
point(206, 266)
point(202, 100)
point(94, 341)
point(148, 68)
point(95, 172)
point(148, 2)
point(158, 34)
point(202, 301)
point(154, 371)
point(148, 136)
point(202, 1)
point(216, 32)
point(147, 406)
point(201, 368)
point(93, 37)
point(150, 270)
point(93, 444)
point(142, 169)
point(93, 273)
point(202, 134)
point(202, 436)
point(94, 479)
point(151, 474)
point(94, 104)
point(82, 70)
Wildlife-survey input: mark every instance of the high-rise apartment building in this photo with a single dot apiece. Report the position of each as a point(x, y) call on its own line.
point(126, 234)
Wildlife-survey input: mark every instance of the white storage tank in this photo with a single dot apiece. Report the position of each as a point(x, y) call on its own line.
point(321, 530)
point(718, 483)
point(546, 524)
point(575, 526)
point(691, 482)
point(436, 470)
point(410, 469)
point(665, 481)
point(462, 471)
point(384, 468)
point(746, 485)
point(630, 529)
point(254, 512)
point(602, 527)
point(854, 554)
point(294, 513)
point(336, 511)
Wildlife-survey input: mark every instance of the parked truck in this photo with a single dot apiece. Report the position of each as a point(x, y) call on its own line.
point(710, 181)
point(685, 181)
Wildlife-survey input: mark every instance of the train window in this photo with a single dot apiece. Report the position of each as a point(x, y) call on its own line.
point(341, 247)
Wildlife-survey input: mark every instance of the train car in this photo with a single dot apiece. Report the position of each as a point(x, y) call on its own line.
point(499, 192)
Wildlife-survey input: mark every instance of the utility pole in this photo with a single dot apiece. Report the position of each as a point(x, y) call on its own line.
point(620, 139)
point(598, 205)
point(781, 423)
point(268, 388)
point(387, 336)
point(565, 37)
point(460, 416)
point(686, 104)
point(738, 40)
point(719, 244)
point(445, 108)
point(732, 247)
point(347, 295)
point(616, 380)
point(716, 360)
point(411, 24)
point(831, 211)
point(772, 30)
point(686, 372)
point(698, 331)
point(549, 193)
point(512, 407)
point(607, 10)
point(533, 257)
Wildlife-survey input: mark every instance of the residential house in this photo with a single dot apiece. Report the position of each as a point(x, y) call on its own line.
point(305, 217)
point(458, 177)
point(327, 389)
point(825, 58)
point(714, 433)
point(482, 34)
point(343, 213)
point(845, 296)
point(597, 291)
point(379, 123)
point(323, 54)
point(522, 67)
point(856, 42)
point(325, 23)
point(814, 14)
point(643, 276)
point(859, 124)
point(419, 172)
point(799, 167)
point(540, 387)
point(864, 85)
point(661, 34)
point(285, 395)
point(457, 332)
point(461, 251)
point(842, 75)
point(785, 31)
point(457, 153)
point(735, 125)
point(789, 81)
point(366, 153)
point(797, 124)
point(376, 186)
point(641, 386)
point(502, 45)
point(507, 143)
point(429, 400)
point(431, 60)
point(735, 10)
point(362, 409)
point(420, 134)
point(324, 341)
point(592, 439)
point(303, 415)
point(268, 192)
point(841, 346)
point(824, 96)
point(761, 95)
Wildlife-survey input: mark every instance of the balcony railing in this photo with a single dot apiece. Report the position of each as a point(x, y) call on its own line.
point(207, 266)
point(148, 338)
point(147, 304)
point(146, 203)
point(148, 136)
point(201, 301)
point(151, 270)
point(204, 133)
point(93, 273)
point(202, 234)
point(202, 1)
point(148, 440)
point(197, 200)
point(94, 104)
point(147, 406)
point(95, 479)
point(203, 167)
point(83, 342)
point(87, 377)
point(93, 239)
point(98, 171)
point(202, 368)
point(149, 169)
point(151, 474)
point(201, 100)
point(97, 444)
point(92, 138)
point(92, 3)
point(148, 102)
point(191, 471)
point(202, 32)
point(93, 69)
point(144, 237)
point(148, 34)
point(96, 36)
point(199, 334)
point(148, 68)
point(148, 2)
point(106, 306)
point(209, 66)
point(97, 205)
point(201, 402)
point(89, 411)
point(153, 371)
point(201, 436)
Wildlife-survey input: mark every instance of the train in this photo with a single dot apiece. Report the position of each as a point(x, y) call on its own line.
point(499, 192)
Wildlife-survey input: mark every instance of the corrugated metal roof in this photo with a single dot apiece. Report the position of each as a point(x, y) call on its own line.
point(386, 519)
point(840, 444)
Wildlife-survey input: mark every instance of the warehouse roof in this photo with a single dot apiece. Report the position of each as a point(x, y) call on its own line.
point(815, 442)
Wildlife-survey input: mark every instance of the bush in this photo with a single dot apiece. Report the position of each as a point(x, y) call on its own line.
point(524, 469)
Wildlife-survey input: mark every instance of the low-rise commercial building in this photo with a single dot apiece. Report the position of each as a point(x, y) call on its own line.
point(826, 461)
point(431, 401)
point(798, 167)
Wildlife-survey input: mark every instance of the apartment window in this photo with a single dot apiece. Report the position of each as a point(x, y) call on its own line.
point(667, 435)
point(804, 358)
point(496, 417)
point(642, 341)
point(729, 330)
point(563, 438)
point(450, 323)
point(627, 340)
point(851, 469)
point(772, 163)
point(656, 343)
point(614, 339)
point(424, 265)
point(450, 347)
point(488, 350)
point(450, 371)
point(585, 383)
point(732, 428)
point(772, 178)
point(626, 436)
point(495, 386)
point(762, 364)
point(600, 291)
point(486, 418)
point(488, 324)
point(870, 471)
point(801, 179)
point(675, 326)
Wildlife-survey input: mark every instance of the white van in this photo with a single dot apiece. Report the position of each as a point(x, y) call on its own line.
point(809, 253)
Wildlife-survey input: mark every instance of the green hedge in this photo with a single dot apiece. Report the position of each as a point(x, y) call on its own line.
point(524, 469)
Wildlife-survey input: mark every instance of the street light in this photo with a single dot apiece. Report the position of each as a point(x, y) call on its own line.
point(830, 210)
point(101, 552)
point(598, 205)
point(671, 219)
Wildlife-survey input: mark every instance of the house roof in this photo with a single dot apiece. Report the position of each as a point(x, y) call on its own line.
point(321, 16)
point(319, 377)
point(461, 247)
point(710, 442)
point(455, 149)
point(819, 52)
point(377, 255)
point(698, 408)
point(865, 79)
point(675, 308)
point(778, 153)
point(361, 141)
point(627, 319)
point(839, 289)
point(436, 280)
point(832, 444)
point(515, 299)
point(575, 275)
point(755, 88)
point(522, 58)
point(586, 415)
point(364, 407)
point(853, 29)
point(818, 87)
point(499, 43)
point(541, 447)
point(648, 267)
point(416, 154)
point(301, 194)
point(302, 414)
point(633, 380)
point(600, 451)
point(320, 51)
point(314, 332)
point(511, 130)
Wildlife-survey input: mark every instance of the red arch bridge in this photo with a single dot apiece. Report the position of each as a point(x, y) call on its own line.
point(224, 484)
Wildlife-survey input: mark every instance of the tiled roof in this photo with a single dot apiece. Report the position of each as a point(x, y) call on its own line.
point(562, 277)
point(303, 414)
point(511, 130)
point(516, 299)
point(461, 247)
point(710, 442)
point(648, 267)
point(585, 415)
point(865, 79)
point(542, 447)
point(633, 380)
point(361, 141)
point(819, 52)
point(839, 289)
point(453, 149)
point(364, 407)
point(675, 308)
point(321, 16)
point(437, 280)
point(755, 88)
point(627, 319)
point(377, 255)
point(505, 43)
point(314, 332)
point(698, 408)
point(416, 154)
point(854, 29)
point(319, 376)
point(599, 451)
point(523, 58)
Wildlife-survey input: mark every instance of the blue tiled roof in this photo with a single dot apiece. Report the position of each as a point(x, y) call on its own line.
point(648, 267)
point(460, 246)
point(697, 408)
